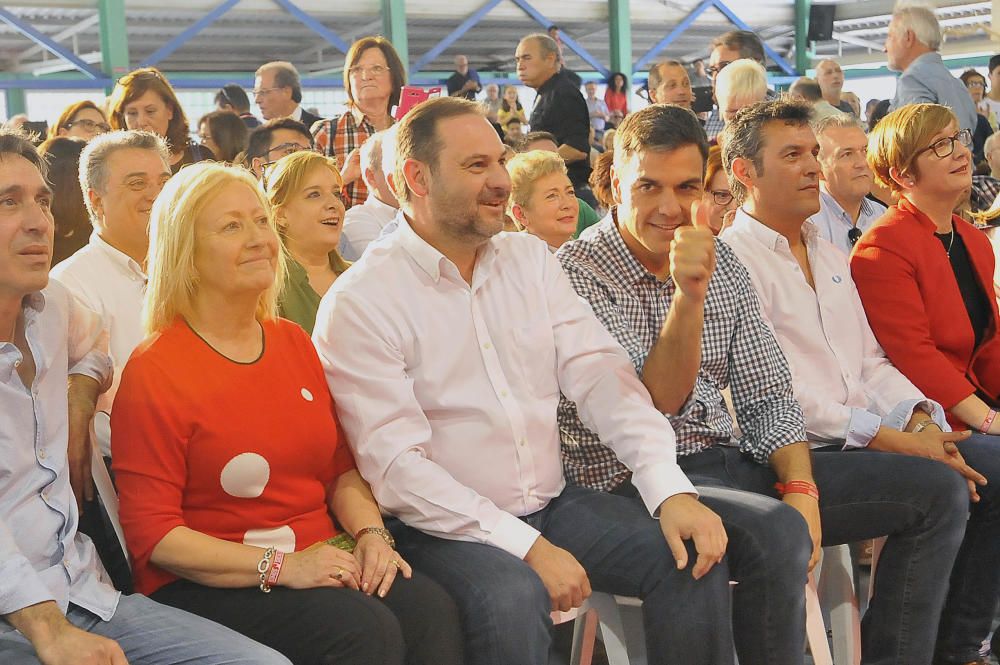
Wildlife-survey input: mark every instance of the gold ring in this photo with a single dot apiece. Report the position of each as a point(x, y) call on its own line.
point(340, 573)
point(396, 563)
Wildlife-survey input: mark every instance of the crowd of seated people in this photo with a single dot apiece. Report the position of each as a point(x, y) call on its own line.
point(380, 390)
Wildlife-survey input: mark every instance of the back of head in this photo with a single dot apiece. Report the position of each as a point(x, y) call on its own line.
point(880, 111)
point(232, 94)
point(134, 85)
point(62, 154)
point(285, 76)
point(417, 137)
point(658, 127)
point(742, 80)
point(94, 160)
point(387, 158)
point(534, 137)
point(747, 43)
point(371, 153)
point(743, 138)
point(994, 63)
point(807, 89)
point(229, 133)
point(173, 281)
point(713, 164)
point(600, 179)
point(898, 138)
point(922, 21)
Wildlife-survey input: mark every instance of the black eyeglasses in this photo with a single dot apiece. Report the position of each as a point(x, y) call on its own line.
point(722, 197)
point(946, 146)
point(90, 125)
point(854, 234)
point(715, 69)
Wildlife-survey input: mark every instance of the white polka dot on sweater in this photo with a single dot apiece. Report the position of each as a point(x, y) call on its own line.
point(245, 476)
point(282, 537)
point(306, 395)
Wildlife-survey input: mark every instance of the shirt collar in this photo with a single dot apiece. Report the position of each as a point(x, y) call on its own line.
point(765, 235)
point(828, 199)
point(927, 59)
point(610, 236)
point(551, 83)
point(431, 260)
point(10, 356)
point(380, 206)
point(296, 114)
point(118, 257)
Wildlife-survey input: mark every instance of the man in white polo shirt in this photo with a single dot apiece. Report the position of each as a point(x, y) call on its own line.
point(364, 223)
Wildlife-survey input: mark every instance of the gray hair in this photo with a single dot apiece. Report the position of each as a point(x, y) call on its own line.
point(388, 151)
point(990, 142)
point(835, 121)
point(16, 142)
point(923, 23)
point(655, 72)
point(95, 157)
point(744, 79)
point(371, 155)
point(546, 43)
point(285, 76)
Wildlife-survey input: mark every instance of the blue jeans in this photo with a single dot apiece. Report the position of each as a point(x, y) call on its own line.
point(154, 634)
point(505, 607)
point(975, 579)
point(918, 503)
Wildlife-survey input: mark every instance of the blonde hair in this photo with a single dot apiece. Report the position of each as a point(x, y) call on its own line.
point(288, 178)
point(899, 136)
point(744, 79)
point(525, 169)
point(173, 282)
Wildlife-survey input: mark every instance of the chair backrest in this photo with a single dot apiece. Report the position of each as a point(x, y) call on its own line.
point(106, 491)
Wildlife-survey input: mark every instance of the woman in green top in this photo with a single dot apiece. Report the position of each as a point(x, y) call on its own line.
point(306, 192)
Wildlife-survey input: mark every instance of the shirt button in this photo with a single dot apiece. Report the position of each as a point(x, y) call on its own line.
point(17, 363)
point(503, 393)
point(487, 346)
point(41, 453)
point(522, 442)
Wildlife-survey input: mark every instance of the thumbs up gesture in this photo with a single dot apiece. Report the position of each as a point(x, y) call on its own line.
point(692, 254)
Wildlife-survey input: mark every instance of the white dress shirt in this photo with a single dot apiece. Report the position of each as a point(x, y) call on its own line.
point(833, 222)
point(448, 392)
point(42, 556)
point(109, 282)
point(846, 386)
point(363, 224)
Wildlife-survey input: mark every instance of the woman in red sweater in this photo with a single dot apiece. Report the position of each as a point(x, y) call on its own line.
point(230, 461)
point(926, 280)
point(616, 94)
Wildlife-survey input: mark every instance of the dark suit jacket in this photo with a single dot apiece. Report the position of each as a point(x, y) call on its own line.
point(916, 310)
point(308, 119)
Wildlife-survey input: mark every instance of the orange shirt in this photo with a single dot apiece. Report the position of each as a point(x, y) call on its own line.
point(241, 452)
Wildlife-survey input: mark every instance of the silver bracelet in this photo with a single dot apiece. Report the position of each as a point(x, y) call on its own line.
point(921, 426)
point(263, 566)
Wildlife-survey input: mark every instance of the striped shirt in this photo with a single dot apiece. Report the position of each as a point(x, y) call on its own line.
point(739, 351)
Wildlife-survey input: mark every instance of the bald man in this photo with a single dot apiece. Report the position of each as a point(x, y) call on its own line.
point(830, 77)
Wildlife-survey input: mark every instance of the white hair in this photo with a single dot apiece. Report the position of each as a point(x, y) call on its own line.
point(742, 80)
point(922, 21)
point(990, 142)
point(389, 150)
point(371, 155)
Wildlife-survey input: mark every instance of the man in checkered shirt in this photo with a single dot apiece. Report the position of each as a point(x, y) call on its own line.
point(683, 307)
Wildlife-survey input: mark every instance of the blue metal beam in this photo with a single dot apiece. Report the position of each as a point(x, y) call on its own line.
point(786, 66)
point(46, 43)
point(310, 22)
point(453, 36)
point(674, 34)
point(566, 39)
point(180, 40)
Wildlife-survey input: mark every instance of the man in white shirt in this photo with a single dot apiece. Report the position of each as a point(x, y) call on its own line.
point(845, 211)
point(851, 397)
point(364, 223)
point(120, 175)
point(446, 348)
point(277, 89)
point(57, 604)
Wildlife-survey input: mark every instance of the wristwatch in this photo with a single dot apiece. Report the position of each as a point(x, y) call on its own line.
point(378, 531)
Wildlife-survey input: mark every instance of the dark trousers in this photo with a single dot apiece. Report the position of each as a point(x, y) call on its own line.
point(416, 623)
point(975, 579)
point(505, 607)
point(918, 503)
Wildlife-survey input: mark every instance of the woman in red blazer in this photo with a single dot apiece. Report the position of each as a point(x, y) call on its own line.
point(926, 280)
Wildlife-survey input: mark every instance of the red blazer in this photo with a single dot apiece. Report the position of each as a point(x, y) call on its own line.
point(916, 310)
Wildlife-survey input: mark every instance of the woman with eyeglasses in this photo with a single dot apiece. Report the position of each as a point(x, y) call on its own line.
point(717, 197)
point(373, 76)
point(224, 133)
point(240, 500)
point(925, 277)
point(82, 120)
point(986, 123)
point(144, 99)
point(305, 192)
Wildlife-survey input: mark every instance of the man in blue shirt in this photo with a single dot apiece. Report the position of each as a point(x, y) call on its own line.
point(58, 605)
point(911, 45)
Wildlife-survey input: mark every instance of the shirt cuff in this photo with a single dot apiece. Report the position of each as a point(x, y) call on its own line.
point(512, 535)
point(861, 429)
point(901, 414)
point(659, 482)
point(21, 586)
point(98, 366)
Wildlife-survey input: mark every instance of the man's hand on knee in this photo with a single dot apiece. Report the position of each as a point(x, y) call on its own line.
point(58, 642)
point(563, 576)
point(683, 517)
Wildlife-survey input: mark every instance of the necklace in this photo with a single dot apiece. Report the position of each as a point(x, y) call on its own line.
point(950, 242)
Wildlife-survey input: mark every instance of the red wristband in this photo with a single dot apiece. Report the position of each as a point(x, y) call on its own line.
point(797, 487)
point(990, 417)
point(272, 576)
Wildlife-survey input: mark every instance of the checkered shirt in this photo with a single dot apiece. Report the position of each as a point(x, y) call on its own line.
point(349, 131)
point(715, 124)
point(738, 351)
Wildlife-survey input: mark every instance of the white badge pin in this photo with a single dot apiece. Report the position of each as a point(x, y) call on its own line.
point(306, 395)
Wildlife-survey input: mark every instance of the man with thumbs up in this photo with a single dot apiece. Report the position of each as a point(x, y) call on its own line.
point(683, 306)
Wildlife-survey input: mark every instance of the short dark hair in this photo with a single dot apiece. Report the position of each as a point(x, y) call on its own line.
point(228, 132)
point(744, 41)
point(970, 74)
point(234, 95)
point(744, 136)
point(16, 142)
point(806, 88)
point(417, 137)
point(659, 127)
point(531, 137)
point(994, 63)
point(260, 138)
point(655, 75)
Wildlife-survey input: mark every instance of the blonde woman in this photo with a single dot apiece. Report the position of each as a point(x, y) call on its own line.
point(229, 458)
point(542, 199)
point(305, 192)
point(741, 83)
